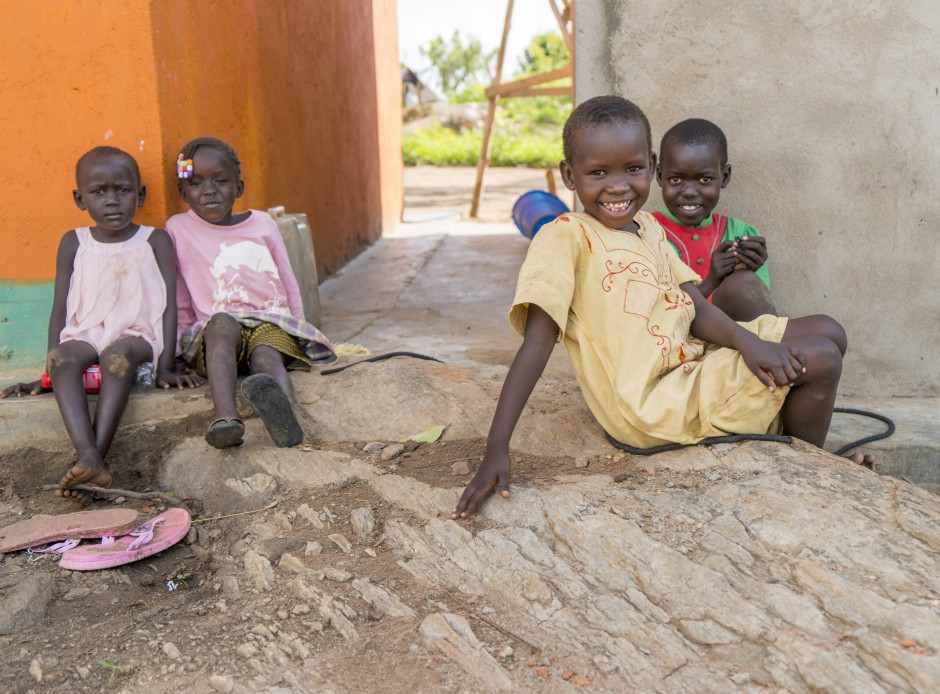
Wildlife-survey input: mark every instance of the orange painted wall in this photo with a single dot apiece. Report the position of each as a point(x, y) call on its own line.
point(307, 92)
point(293, 88)
point(74, 74)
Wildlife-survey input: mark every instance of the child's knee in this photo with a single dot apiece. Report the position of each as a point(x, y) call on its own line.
point(834, 331)
point(823, 358)
point(223, 324)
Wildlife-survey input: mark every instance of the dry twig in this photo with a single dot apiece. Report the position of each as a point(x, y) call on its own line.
point(103, 491)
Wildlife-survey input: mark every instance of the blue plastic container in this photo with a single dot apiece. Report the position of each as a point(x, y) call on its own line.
point(535, 209)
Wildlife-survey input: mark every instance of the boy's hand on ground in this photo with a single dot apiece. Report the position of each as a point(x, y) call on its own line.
point(751, 251)
point(776, 365)
point(494, 470)
point(21, 389)
point(180, 380)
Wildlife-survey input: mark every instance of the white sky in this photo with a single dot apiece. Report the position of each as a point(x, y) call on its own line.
point(419, 21)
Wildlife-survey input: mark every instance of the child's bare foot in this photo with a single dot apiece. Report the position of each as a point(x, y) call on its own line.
point(89, 469)
point(864, 459)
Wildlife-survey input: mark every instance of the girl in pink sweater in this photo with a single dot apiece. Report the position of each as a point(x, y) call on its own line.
point(238, 302)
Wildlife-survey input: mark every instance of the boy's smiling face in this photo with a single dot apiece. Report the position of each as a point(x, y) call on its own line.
point(611, 170)
point(691, 177)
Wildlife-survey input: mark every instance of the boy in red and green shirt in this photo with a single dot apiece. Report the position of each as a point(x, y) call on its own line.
point(729, 255)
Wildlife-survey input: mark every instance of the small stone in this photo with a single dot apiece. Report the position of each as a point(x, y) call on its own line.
point(461, 467)
point(300, 610)
point(246, 650)
point(581, 462)
point(506, 652)
point(171, 651)
point(373, 447)
point(341, 542)
point(670, 485)
point(335, 574)
point(371, 552)
point(291, 563)
point(222, 684)
point(120, 500)
point(392, 451)
point(313, 549)
point(542, 671)
point(741, 678)
point(714, 476)
point(621, 477)
point(77, 593)
point(35, 670)
point(362, 521)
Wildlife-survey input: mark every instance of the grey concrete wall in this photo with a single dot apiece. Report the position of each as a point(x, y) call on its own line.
point(832, 111)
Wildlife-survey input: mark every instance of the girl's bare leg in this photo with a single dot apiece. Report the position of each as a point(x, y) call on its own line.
point(265, 359)
point(119, 362)
point(222, 338)
point(67, 361)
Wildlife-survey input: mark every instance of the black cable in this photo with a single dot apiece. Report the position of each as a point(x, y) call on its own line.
point(381, 357)
point(868, 439)
point(734, 438)
point(731, 438)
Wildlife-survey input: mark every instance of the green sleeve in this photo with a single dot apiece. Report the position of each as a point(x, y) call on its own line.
point(736, 228)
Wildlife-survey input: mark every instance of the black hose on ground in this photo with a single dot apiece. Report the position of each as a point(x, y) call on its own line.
point(734, 438)
point(381, 357)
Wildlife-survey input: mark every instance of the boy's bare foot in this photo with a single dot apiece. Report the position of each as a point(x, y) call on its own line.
point(864, 459)
point(89, 469)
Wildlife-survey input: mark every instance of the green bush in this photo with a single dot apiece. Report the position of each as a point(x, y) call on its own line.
point(512, 146)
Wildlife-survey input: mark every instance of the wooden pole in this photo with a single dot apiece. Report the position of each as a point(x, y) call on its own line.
point(490, 116)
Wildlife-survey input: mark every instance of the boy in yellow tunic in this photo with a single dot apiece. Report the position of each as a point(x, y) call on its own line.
point(656, 362)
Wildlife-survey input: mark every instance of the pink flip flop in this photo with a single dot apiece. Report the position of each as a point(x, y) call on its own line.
point(79, 525)
point(153, 536)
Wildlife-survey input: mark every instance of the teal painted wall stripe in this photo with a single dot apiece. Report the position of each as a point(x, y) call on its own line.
point(24, 323)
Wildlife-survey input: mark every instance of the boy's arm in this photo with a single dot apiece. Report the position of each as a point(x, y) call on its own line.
point(527, 367)
point(774, 364)
point(165, 254)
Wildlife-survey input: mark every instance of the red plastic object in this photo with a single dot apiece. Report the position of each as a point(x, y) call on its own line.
point(91, 377)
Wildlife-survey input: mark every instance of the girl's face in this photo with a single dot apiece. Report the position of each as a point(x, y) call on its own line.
point(213, 188)
point(691, 177)
point(611, 171)
point(109, 190)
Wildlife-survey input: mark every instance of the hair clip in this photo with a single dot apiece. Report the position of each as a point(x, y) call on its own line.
point(184, 167)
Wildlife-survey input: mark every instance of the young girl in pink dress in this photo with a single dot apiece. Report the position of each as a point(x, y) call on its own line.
point(240, 309)
point(114, 305)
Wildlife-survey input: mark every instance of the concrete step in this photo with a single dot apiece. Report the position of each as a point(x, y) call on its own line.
point(912, 453)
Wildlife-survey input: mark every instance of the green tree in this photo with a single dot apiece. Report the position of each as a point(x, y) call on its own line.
point(545, 52)
point(457, 63)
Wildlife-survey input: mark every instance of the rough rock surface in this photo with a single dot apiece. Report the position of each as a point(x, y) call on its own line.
point(736, 568)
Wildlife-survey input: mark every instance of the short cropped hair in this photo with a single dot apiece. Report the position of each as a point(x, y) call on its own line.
point(697, 131)
point(106, 152)
point(599, 111)
point(189, 150)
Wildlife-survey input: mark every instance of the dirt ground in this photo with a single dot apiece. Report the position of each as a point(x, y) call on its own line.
point(122, 629)
point(442, 190)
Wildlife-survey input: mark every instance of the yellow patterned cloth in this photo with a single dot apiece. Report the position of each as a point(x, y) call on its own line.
point(264, 334)
point(625, 321)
